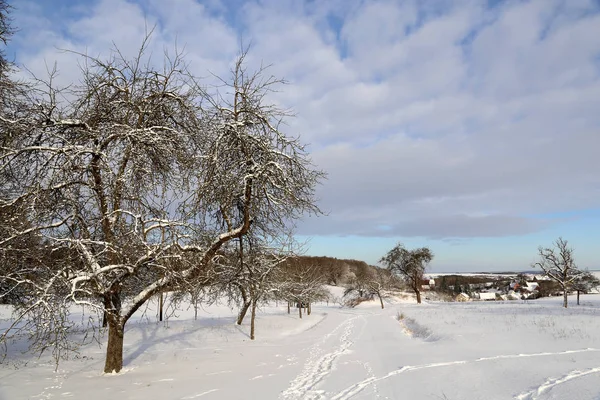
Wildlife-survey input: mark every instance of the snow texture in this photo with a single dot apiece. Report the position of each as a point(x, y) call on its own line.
point(492, 350)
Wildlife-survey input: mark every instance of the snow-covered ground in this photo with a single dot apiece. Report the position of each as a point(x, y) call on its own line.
point(483, 350)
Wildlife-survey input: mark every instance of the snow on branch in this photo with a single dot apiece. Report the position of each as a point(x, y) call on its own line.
point(137, 183)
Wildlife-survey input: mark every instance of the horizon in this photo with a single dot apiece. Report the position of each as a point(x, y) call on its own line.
point(474, 271)
point(469, 127)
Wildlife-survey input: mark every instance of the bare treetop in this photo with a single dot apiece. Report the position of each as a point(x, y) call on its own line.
point(558, 263)
point(410, 265)
point(141, 176)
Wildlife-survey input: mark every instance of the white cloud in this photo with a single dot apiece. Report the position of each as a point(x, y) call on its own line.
point(442, 119)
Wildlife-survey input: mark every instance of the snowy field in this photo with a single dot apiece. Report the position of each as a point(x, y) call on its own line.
point(483, 350)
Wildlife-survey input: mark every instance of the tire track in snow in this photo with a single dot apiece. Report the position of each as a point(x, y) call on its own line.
point(360, 386)
point(551, 382)
point(315, 369)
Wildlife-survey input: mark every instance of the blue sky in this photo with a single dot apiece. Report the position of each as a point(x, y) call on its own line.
point(468, 126)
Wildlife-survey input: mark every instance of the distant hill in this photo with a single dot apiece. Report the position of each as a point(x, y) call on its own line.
point(335, 271)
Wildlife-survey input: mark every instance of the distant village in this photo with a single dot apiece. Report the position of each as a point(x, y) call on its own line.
point(490, 287)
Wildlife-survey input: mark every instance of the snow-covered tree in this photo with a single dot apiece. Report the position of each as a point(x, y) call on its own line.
point(301, 284)
point(558, 264)
point(357, 284)
point(370, 282)
point(260, 272)
point(380, 282)
point(92, 167)
point(409, 265)
point(249, 273)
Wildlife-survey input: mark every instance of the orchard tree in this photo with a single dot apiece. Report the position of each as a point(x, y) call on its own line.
point(586, 282)
point(358, 284)
point(409, 265)
point(27, 249)
point(89, 170)
point(372, 282)
point(380, 281)
point(15, 102)
point(260, 271)
point(250, 274)
point(558, 264)
point(6, 31)
point(301, 283)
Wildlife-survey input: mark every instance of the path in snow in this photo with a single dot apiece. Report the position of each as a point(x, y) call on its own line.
point(498, 351)
point(373, 357)
point(321, 362)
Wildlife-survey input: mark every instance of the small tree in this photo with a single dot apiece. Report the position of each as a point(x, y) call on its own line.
point(585, 283)
point(254, 275)
point(558, 264)
point(410, 265)
point(301, 283)
point(374, 282)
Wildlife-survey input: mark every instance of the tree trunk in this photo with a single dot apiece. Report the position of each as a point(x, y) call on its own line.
point(308, 309)
point(243, 312)
point(380, 300)
point(160, 307)
point(578, 297)
point(288, 307)
point(114, 348)
point(252, 318)
point(245, 300)
point(418, 293)
point(565, 294)
point(300, 310)
point(116, 328)
point(104, 314)
point(112, 303)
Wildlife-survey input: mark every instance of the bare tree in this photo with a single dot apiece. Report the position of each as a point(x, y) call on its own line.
point(251, 275)
point(6, 31)
point(92, 169)
point(585, 283)
point(301, 284)
point(15, 110)
point(371, 282)
point(410, 265)
point(262, 268)
point(358, 289)
point(380, 282)
point(558, 264)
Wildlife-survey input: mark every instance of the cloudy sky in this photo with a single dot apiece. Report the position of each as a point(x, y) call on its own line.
point(471, 127)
